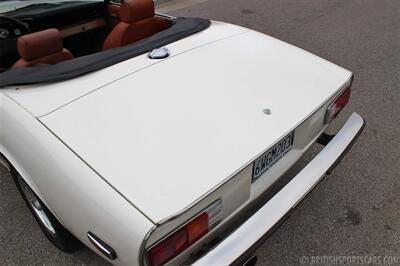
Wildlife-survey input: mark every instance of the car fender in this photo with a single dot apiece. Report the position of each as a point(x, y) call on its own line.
point(74, 193)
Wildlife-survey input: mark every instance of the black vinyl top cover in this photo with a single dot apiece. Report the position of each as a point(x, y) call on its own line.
point(180, 28)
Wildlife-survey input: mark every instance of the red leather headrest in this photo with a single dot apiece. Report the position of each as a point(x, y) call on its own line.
point(39, 44)
point(136, 10)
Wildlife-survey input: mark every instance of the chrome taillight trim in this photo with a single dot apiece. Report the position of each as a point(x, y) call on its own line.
point(215, 214)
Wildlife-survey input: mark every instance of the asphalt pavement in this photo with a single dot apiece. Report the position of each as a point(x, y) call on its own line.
point(354, 211)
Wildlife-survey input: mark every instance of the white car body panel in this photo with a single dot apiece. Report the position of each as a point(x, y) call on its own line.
point(132, 145)
point(172, 139)
point(70, 189)
point(42, 99)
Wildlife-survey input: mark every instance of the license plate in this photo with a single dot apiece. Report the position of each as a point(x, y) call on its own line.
point(271, 156)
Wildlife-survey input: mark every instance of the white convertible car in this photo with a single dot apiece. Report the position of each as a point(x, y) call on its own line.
point(158, 140)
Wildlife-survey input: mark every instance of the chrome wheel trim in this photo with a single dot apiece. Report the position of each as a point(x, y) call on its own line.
point(37, 208)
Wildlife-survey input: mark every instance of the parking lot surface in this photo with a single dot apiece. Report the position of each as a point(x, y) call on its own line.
point(353, 212)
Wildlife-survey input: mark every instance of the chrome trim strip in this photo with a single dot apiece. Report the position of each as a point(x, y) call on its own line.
point(164, 15)
point(105, 249)
point(265, 218)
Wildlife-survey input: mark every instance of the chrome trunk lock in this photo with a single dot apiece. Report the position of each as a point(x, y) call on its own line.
point(159, 53)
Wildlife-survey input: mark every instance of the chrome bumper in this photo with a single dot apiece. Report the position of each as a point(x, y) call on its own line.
point(247, 235)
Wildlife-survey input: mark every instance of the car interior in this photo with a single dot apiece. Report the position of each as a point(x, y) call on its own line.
point(49, 33)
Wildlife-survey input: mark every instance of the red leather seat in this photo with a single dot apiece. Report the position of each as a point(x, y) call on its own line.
point(42, 47)
point(137, 21)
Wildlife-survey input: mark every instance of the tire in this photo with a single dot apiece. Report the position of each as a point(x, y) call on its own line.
point(51, 227)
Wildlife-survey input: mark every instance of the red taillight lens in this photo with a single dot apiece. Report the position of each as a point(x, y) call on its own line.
point(197, 228)
point(337, 106)
point(179, 241)
point(187, 235)
point(168, 248)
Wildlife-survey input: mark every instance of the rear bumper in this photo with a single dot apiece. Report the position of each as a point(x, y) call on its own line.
point(264, 220)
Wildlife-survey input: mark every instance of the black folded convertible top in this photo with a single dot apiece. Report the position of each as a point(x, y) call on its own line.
point(180, 28)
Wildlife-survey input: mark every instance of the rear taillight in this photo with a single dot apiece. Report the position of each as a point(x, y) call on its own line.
point(185, 236)
point(337, 106)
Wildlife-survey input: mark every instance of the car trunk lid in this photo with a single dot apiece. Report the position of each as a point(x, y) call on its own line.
point(171, 133)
